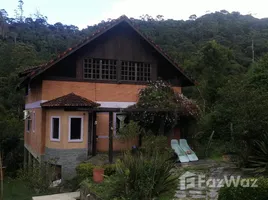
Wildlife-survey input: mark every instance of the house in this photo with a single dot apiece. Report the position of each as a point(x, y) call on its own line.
point(72, 103)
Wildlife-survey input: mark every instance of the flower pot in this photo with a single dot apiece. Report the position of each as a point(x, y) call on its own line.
point(98, 175)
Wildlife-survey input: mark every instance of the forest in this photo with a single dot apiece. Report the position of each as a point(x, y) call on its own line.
point(224, 52)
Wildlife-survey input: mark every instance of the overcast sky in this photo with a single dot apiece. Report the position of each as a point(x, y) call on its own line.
point(87, 12)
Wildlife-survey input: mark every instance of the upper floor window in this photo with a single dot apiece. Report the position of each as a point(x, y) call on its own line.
point(135, 71)
point(105, 69)
point(101, 69)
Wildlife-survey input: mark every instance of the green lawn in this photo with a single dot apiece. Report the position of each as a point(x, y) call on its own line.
point(16, 190)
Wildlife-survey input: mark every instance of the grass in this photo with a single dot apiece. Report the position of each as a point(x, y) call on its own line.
point(16, 190)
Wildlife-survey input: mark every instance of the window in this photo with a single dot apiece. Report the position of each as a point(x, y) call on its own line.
point(101, 69)
point(28, 121)
point(55, 128)
point(135, 71)
point(33, 121)
point(28, 125)
point(120, 119)
point(76, 129)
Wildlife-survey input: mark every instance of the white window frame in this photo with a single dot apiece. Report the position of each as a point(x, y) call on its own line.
point(51, 128)
point(82, 129)
point(33, 121)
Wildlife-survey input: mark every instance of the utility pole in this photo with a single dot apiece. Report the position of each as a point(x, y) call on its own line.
point(253, 53)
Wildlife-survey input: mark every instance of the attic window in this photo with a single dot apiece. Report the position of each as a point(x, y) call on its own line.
point(135, 71)
point(101, 69)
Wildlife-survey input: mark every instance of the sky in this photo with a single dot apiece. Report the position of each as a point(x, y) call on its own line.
point(89, 12)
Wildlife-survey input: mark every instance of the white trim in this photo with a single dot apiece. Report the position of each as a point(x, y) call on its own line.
point(51, 128)
point(115, 104)
point(82, 129)
point(35, 104)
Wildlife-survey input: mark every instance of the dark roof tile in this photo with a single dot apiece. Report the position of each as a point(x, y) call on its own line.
point(70, 100)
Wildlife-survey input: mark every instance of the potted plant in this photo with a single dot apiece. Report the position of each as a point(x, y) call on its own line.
point(98, 174)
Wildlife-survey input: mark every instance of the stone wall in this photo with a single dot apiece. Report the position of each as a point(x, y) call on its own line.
point(68, 159)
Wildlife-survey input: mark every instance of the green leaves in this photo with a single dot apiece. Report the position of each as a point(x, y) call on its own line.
point(143, 177)
point(167, 107)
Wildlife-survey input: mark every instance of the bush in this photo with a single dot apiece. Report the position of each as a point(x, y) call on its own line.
point(84, 170)
point(109, 169)
point(142, 177)
point(242, 193)
point(38, 178)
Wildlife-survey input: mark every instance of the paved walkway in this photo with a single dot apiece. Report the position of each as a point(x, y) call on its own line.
point(63, 196)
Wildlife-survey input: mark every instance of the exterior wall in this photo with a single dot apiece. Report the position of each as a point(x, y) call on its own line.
point(33, 138)
point(38, 140)
point(66, 153)
point(92, 91)
point(64, 130)
point(34, 93)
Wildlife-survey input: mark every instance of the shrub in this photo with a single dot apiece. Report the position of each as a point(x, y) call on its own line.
point(142, 177)
point(110, 169)
point(258, 161)
point(38, 177)
point(84, 170)
point(152, 143)
point(242, 193)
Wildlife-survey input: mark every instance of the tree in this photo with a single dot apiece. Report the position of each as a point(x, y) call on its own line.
point(19, 11)
point(167, 108)
point(3, 23)
point(193, 17)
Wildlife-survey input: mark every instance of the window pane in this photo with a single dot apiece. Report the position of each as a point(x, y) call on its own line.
point(103, 69)
point(135, 71)
point(56, 127)
point(76, 128)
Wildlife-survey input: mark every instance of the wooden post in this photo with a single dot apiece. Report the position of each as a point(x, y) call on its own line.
point(94, 132)
point(90, 137)
point(110, 137)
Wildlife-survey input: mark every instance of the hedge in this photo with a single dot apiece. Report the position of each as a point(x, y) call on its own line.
point(242, 193)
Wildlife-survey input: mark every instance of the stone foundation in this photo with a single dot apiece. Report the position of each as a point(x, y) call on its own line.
point(68, 159)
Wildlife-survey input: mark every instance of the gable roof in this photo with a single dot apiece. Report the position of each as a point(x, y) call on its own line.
point(34, 71)
point(70, 100)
